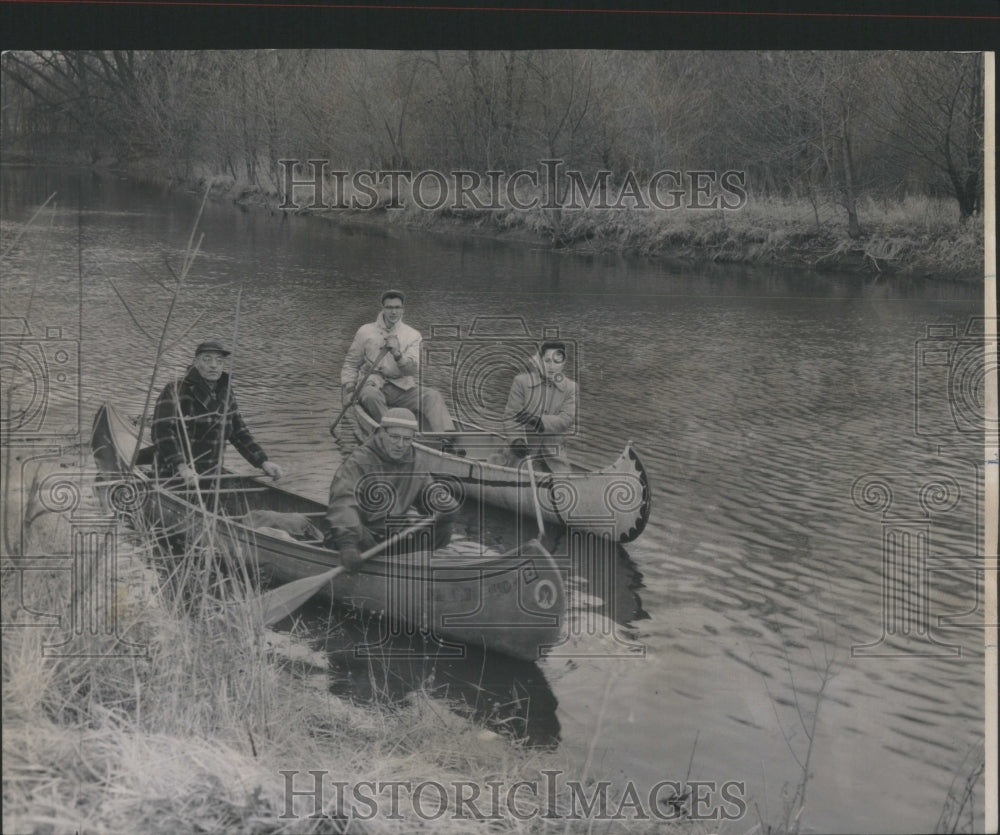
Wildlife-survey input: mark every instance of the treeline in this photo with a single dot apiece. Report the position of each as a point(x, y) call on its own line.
point(825, 126)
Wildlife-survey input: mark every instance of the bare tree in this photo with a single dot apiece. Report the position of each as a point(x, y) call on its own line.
point(936, 114)
point(827, 126)
point(91, 93)
point(798, 116)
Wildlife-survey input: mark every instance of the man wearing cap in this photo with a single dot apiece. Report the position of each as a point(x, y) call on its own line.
point(377, 482)
point(391, 350)
point(541, 409)
point(196, 415)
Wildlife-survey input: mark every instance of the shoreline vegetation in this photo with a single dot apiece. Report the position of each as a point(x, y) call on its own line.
point(192, 717)
point(864, 162)
point(187, 715)
point(917, 237)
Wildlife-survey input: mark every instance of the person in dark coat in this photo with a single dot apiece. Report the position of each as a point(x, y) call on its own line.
point(196, 415)
point(380, 481)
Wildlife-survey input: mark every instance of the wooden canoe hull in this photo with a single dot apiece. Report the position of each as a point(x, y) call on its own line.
point(513, 604)
point(615, 499)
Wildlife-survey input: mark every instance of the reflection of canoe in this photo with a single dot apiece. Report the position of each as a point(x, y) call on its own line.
point(513, 604)
point(615, 499)
point(507, 695)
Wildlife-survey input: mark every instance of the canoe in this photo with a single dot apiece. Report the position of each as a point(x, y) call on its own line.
point(614, 500)
point(513, 604)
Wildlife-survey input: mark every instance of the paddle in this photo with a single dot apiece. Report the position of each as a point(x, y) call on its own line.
point(357, 390)
point(535, 499)
point(281, 602)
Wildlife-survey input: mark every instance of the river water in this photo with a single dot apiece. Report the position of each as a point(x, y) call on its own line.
point(758, 398)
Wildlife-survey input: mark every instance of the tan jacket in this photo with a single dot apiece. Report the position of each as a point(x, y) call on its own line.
point(554, 403)
point(366, 347)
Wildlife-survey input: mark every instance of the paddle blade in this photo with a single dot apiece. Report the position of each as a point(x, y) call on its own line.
point(279, 603)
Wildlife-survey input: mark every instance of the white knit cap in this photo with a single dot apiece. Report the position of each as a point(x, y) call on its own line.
point(400, 417)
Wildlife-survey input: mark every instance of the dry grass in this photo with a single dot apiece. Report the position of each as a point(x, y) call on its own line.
point(917, 235)
point(192, 735)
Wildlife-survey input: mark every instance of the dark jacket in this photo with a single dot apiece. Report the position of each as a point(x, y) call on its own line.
point(370, 486)
point(207, 419)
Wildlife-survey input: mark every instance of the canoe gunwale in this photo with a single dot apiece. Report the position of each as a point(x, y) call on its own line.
point(487, 562)
point(504, 625)
point(629, 526)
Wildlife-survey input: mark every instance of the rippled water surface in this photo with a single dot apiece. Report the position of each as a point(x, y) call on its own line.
point(757, 399)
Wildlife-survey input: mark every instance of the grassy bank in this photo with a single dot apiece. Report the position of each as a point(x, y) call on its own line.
point(194, 718)
point(191, 728)
point(919, 237)
point(915, 236)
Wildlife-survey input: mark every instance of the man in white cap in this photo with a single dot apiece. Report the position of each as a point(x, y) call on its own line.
point(390, 349)
point(196, 415)
point(377, 482)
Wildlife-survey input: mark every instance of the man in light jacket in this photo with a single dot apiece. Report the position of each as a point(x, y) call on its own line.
point(541, 409)
point(391, 350)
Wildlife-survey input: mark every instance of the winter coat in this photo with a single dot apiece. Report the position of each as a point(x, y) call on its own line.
point(367, 345)
point(191, 411)
point(370, 486)
point(553, 402)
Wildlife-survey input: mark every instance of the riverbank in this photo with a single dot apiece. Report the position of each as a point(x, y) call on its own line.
point(767, 234)
point(917, 237)
point(186, 715)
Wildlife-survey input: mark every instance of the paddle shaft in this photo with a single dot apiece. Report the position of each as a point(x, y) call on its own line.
point(357, 389)
point(229, 387)
point(535, 499)
point(534, 493)
point(281, 602)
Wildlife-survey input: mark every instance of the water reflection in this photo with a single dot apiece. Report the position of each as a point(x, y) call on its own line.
point(508, 696)
point(372, 663)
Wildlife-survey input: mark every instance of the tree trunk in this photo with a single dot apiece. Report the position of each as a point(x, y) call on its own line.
point(850, 198)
